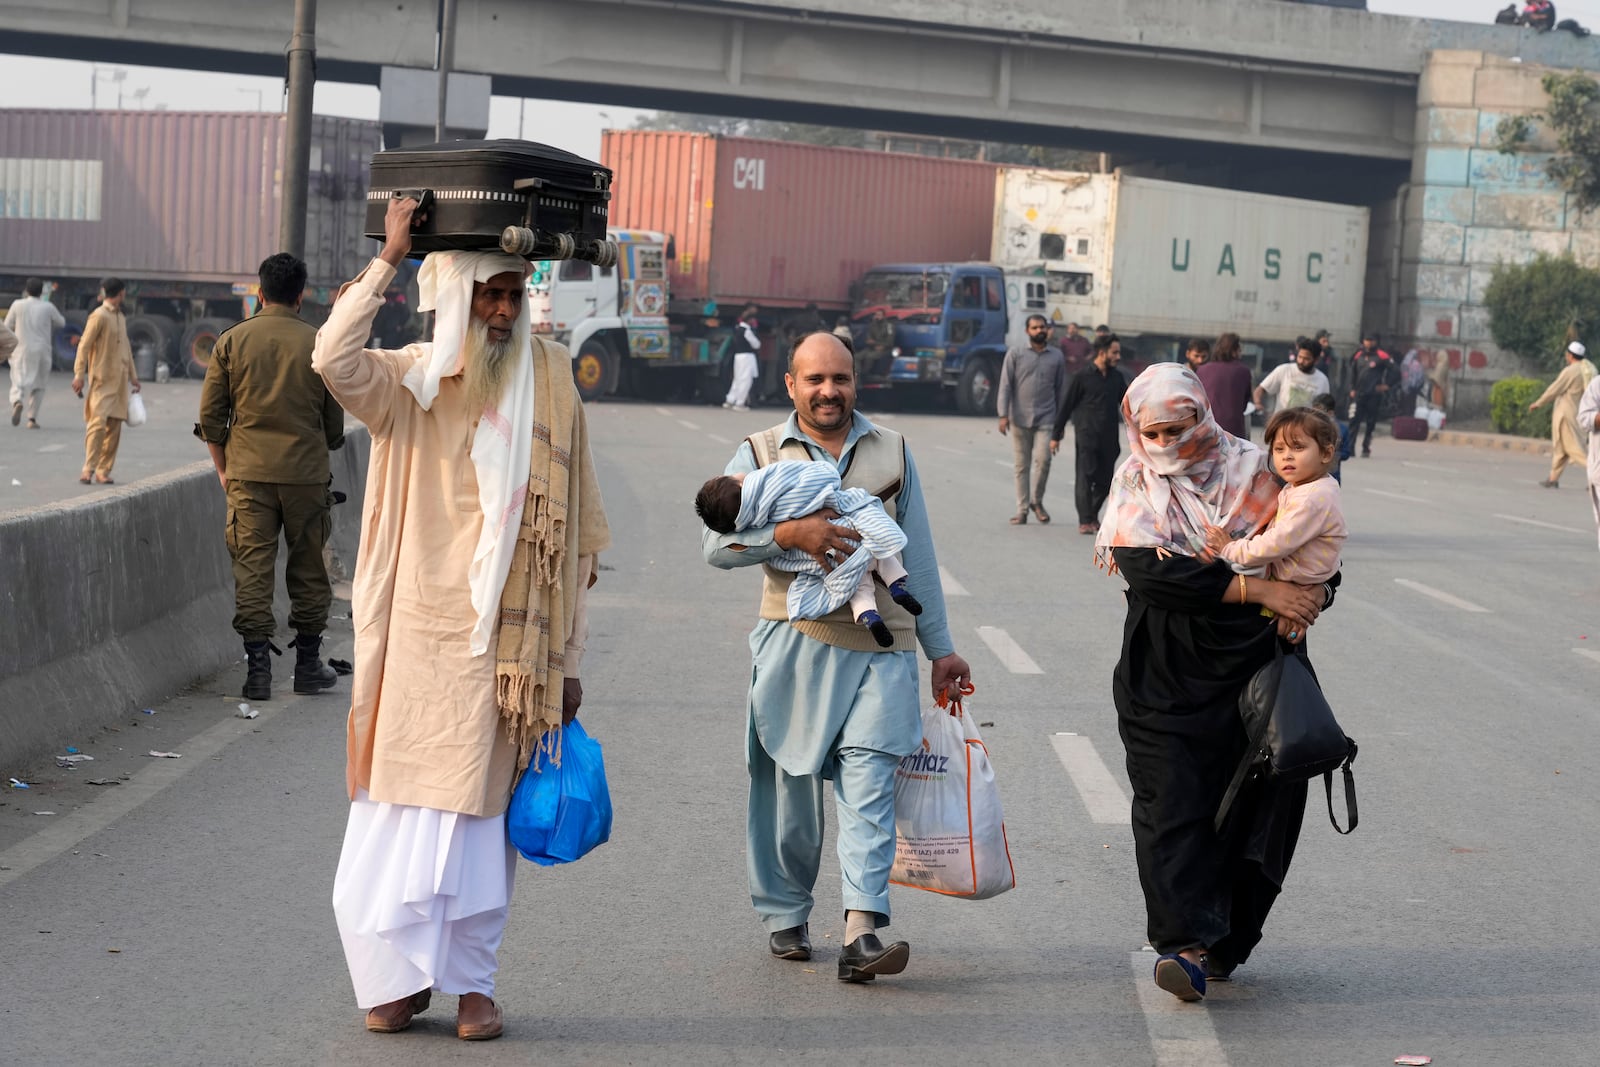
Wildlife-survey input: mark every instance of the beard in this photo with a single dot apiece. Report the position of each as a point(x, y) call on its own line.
point(488, 364)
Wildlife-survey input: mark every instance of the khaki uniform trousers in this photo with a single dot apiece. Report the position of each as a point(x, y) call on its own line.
point(257, 513)
point(101, 438)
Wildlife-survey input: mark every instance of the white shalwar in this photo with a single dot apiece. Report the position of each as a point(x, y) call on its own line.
point(746, 368)
point(1588, 408)
point(421, 898)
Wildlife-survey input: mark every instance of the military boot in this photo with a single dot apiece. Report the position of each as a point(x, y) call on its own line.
point(311, 675)
point(258, 670)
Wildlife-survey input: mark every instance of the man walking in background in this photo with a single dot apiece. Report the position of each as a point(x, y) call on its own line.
point(1093, 402)
point(1296, 384)
point(1566, 391)
point(269, 423)
point(746, 368)
point(1196, 353)
point(1376, 375)
point(104, 375)
point(1075, 348)
point(1033, 386)
point(34, 320)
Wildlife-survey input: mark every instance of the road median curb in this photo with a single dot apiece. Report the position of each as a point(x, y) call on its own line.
point(1503, 442)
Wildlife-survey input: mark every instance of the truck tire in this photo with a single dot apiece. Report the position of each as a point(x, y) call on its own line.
point(194, 351)
point(975, 392)
point(64, 352)
point(596, 370)
point(150, 337)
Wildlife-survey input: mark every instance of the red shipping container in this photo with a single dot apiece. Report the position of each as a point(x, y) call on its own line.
point(172, 195)
point(782, 224)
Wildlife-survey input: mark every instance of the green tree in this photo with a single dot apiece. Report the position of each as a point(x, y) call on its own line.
point(1535, 308)
point(1574, 116)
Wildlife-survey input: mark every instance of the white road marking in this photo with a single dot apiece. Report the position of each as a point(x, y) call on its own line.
point(687, 425)
point(1427, 466)
point(719, 439)
point(108, 807)
point(1588, 653)
point(1180, 1034)
point(1007, 651)
point(951, 586)
point(1398, 496)
point(952, 451)
point(1544, 525)
point(663, 411)
point(1002, 463)
point(1441, 596)
point(53, 448)
point(1100, 792)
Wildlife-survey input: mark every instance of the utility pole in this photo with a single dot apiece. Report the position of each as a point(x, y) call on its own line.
point(447, 58)
point(302, 82)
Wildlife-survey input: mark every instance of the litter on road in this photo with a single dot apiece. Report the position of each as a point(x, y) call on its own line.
point(104, 781)
point(44, 813)
point(18, 784)
point(1413, 1061)
point(166, 755)
point(247, 712)
point(76, 757)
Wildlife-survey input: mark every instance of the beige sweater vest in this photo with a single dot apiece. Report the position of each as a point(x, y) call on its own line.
point(878, 465)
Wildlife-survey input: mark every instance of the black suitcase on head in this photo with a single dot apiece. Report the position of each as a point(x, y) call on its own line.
point(514, 196)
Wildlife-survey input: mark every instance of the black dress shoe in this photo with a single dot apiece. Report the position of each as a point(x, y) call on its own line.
point(866, 957)
point(791, 944)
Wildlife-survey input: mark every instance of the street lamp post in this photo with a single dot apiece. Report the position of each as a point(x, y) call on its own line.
point(297, 129)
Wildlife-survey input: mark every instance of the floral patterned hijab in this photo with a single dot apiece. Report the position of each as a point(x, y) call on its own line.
point(1164, 498)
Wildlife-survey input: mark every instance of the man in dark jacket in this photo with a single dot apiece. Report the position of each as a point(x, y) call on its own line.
point(1093, 403)
point(1376, 374)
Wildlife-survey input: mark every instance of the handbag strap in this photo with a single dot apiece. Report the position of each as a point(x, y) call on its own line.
point(1251, 753)
point(1349, 792)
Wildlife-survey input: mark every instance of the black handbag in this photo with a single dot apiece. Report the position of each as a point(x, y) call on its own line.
point(1293, 734)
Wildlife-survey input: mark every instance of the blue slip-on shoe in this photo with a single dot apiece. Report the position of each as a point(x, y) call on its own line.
point(1182, 979)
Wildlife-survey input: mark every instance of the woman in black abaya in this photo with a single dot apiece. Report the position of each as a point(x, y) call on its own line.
point(1194, 636)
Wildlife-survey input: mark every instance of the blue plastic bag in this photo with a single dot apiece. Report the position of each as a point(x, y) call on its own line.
point(559, 813)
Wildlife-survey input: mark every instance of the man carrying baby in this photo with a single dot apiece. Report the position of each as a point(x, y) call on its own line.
point(826, 701)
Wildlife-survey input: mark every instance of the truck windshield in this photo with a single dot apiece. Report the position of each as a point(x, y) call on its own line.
point(903, 291)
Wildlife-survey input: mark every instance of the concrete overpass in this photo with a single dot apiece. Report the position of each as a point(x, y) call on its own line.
point(1145, 78)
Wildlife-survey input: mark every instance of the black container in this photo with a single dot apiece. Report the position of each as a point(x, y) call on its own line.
point(515, 196)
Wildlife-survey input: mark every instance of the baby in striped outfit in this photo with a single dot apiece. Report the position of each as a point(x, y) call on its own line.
point(793, 489)
point(1302, 542)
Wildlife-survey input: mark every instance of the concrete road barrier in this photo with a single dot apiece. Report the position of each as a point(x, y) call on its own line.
point(112, 604)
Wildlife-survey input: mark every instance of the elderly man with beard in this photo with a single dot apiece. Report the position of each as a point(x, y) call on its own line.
point(478, 543)
point(825, 700)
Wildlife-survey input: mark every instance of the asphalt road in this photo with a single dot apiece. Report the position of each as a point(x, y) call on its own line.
point(42, 466)
point(182, 917)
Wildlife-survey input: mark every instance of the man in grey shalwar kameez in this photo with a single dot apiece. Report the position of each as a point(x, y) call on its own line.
point(825, 700)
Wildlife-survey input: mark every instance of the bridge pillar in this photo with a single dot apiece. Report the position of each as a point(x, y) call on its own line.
point(1468, 208)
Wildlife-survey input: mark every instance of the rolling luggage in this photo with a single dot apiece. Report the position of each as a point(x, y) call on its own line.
point(1410, 428)
point(515, 196)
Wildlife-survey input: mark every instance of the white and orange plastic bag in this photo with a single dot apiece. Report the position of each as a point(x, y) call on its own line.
point(949, 828)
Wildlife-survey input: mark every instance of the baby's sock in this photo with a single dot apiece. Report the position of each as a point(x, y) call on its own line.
point(902, 596)
point(880, 629)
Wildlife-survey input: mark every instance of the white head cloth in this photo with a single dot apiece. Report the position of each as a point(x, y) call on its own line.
point(503, 443)
point(1577, 349)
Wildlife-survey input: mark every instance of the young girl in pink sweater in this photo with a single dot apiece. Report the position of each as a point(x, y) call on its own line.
point(1302, 542)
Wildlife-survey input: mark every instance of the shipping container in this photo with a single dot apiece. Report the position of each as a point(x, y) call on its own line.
point(782, 224)
point(174, 196)
point(183, 206)
point(1159, 258)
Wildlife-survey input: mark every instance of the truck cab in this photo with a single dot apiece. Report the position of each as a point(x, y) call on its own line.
point(952, 323)
point(607, 316)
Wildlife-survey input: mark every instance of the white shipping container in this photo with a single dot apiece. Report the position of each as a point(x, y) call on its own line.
point(1156, 257)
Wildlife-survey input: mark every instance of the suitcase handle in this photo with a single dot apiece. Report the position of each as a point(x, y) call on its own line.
point(424, 199)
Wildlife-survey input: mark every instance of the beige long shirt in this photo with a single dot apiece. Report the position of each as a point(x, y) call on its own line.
point(424, 728)
point(105, 363)
point(1566, 391)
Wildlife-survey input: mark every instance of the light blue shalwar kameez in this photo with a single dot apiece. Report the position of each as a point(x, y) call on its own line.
point(817, 711)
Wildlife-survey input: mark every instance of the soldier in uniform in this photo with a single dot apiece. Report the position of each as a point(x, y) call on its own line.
point(270, 422)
